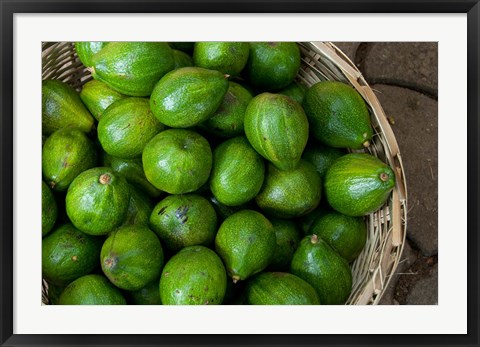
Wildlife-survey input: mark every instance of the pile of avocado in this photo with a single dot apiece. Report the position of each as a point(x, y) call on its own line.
point(204, 173)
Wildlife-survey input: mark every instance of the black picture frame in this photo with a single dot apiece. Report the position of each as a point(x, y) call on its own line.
point(9, 7)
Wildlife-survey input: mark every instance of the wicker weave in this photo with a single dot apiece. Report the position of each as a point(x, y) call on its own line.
point(374, 268)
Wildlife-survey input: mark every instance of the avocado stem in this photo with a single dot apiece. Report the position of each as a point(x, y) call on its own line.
point(104, 179)
point(226, 76)
point(384, 177)
point(366, 144)
point(235, 278)
point(314, 239)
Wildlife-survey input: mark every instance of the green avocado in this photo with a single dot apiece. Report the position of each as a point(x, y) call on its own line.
point(237, 172)
point(68, 254)
point(305, 222)
point(97, 96)
point(318, 264)
point(224, 211)
point(186, 47)
point(132, 68)
point(147, 295)
point(358, 184)
point(246, 243)
point(290, 194)
point(277, 128)
point(126, 127)
point(227, 57)
point(188, 96)
point(272, 65)
point(227, 120)
point(280, 288)
point(62, 107)
point(132, 170)
point(322, 157)
point(86, 50)
point(288, 238)
point(184, 220)
point(181, 59)
point(346, 235)
point(139, 208)
point(193, 276)
point(91, 290)
point(66, 153)
point(294, 90)
point(49, 209)
point(177, 161)
point(132, 257)
point(97, 201)
point(338, 115)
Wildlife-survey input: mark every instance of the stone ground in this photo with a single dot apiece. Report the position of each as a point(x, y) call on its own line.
point(404, 76)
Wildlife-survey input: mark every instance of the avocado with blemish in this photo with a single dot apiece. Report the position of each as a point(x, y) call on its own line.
point(184, 220)
point(193, 276)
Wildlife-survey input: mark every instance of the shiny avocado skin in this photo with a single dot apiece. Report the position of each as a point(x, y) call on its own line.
point(132, 68)
point(280, 288)
point(97, 96)
point(49, 209)
point(246, 243)
point(272, 65)
point(237, 173)
point(132, 170)
point(62, 107)
point(127, 126)
point(91, 290)
point(86, 50)
point(97, 201)
point(188, 96)
point(66, 153)
point(139, 208)
point(181, 59)
point(193, 276)
point(227, 57)
point(318, 264)
point(358, 184)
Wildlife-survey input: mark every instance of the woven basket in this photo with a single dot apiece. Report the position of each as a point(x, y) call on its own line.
point(377, 263)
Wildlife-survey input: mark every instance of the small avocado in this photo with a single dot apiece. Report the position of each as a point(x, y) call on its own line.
point(346, 235)
point(325, 270)
point(292, 193)
point(272, 65)
point(139, 208)
point(68, 254)
point(228, 119)
point(181, 59)
point(187, 96)
point(280, 288)
point(322, 157)
point(294, 90)
point(66, 153)
point(277, 127)
point(288, 238)
point(177, 161)
point(49, 209)
point(227, 57)
point(246, 243)
point(62, 107)
point(193, 276)
point(338, 115)
point(126, 127)
point(237, 172)
point(186, 47)
point(131, 257)
point(91, 289)
point(97, 96)
point(132, 170)
point(97, 201)
point(147, 295)
point(132, 68)
point(184, 220)
point(86, 50)
point(358, 184)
